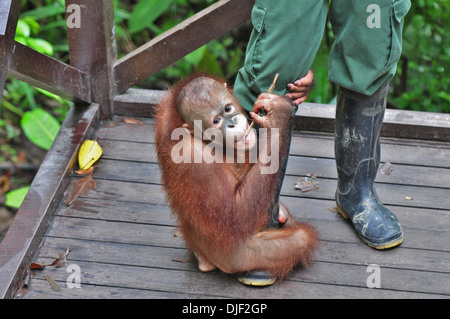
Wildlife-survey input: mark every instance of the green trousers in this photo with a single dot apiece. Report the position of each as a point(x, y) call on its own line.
point(287, 33)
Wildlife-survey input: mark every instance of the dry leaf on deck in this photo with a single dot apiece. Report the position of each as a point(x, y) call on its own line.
point(130, 120)
point(34, 266)
point(52, 282)
point(386, 168)
point(177, 233)
point(112, 124)
point(58, 261)
point(4, 183)
point(307, 183)
point(85, 172)
point(90, 152)
point(78, 187)
point(180, 260)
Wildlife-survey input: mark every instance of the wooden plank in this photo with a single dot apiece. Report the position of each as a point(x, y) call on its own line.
point(398, 267)
point(397, 123)
point(31, 221)
point(390, 194)
point(138, 167)
point(424, 228)
point(118, 130)
point(310, 209)
point(128, 192)
point(320, 117)
point(118, 211)
point(182, 39)
point(197, 283)
point(401, 174)
point(351, 253)
point(117, 232)
point(425, 153)
point(128, 171)
point(137, 102)
point(404, 270)
point(319, 210)
point(92, 49)
point(40, 289)
point(126, 150)
point(49, 74)
point(316, 210)
point(392, 191)
point(9, 15)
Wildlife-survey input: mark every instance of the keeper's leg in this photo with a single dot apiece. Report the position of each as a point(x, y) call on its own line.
point(285, 38)
point(363, 59)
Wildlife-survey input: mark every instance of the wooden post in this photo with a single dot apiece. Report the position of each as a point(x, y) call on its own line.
point(9, 14)
point(92, 48)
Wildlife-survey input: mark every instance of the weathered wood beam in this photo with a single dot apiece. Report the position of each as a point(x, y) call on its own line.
point(137, 102)
point(92, 48)
point(397, 123)
point(314, 117)
point(182, 39)
point(49, 74)
point(9, 15)
point(46, 191)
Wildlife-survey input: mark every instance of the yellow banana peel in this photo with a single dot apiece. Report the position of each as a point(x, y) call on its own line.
point(90, 152)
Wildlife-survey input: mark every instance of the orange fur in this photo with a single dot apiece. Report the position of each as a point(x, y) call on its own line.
point(222, 212)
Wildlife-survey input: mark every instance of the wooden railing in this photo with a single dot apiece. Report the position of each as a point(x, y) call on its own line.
point(94, 74)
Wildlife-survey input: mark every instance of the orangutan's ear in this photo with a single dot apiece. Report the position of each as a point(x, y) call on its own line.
point(186, 126)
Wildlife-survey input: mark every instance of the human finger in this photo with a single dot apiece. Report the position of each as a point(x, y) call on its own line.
point(307, 80)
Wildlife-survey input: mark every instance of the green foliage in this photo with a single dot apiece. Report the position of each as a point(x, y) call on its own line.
point(27, 26)
point(40, 127)
point(426, 58)
point(15, 198)
point(37, 29)
point(146, 12)
point(151, 18)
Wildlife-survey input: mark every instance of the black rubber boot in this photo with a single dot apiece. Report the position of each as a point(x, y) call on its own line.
point(357, 150)
point(262, 278)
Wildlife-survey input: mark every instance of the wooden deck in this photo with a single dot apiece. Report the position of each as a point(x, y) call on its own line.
point(121, 235)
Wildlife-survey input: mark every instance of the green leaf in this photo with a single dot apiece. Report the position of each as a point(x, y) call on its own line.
point(15, 198)
point(196, 56)
point(210, 64)
point(45, 12)
point(40, 127)
point(23, 29)
point(40, 45)
point(146, 12)
point(32, 23)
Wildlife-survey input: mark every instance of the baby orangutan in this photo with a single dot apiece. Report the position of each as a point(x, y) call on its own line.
point(222, 205)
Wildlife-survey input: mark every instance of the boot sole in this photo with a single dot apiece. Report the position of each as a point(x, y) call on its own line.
point(257, 279)
point(388, 245)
